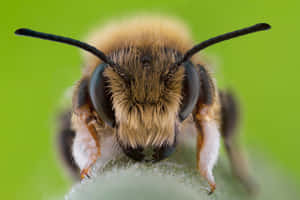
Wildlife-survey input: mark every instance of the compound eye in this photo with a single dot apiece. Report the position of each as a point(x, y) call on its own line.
point(191, 90)
point(100, 96)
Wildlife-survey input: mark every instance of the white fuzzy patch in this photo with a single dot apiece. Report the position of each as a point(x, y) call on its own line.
point(85, 151)
point(210, 149)
point(84, 148)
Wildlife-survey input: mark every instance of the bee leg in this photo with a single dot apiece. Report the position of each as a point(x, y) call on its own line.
point(208, 143)
point(86, 147)
point(205, 117)
point(65, 139)
point(239, 163)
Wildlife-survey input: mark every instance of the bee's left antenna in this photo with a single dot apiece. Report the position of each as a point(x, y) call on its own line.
point(220, 38)
point(66, 40)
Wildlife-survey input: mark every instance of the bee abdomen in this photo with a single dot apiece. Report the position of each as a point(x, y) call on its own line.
point(65, 137)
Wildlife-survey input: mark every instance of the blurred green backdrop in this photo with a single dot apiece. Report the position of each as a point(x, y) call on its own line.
point(262, 68)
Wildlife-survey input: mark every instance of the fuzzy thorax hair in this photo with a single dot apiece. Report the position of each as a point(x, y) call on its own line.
point(146, 98)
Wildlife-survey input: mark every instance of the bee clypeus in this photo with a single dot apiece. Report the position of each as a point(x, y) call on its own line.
point(142, 85)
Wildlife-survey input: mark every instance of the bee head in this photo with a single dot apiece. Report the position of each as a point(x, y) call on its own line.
point(146, 95)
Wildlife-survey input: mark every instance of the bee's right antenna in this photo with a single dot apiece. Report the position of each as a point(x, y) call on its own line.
point(70, 41)
point(220, 38)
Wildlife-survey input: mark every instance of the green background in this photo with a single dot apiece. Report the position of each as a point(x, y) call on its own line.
point(262, 68)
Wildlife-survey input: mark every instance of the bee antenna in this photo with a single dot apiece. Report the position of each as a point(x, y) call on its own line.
point(66, 40)
point(220, 38)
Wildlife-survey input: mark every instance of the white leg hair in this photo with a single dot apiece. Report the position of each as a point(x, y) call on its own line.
point(85, 151)
point(209, 149)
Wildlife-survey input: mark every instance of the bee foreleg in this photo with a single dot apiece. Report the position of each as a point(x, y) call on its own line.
point(205, 116)
point(86, 146)
point(208, 143)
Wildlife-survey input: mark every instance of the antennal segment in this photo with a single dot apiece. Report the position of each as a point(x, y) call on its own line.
point(66, 40)
point(220, 38)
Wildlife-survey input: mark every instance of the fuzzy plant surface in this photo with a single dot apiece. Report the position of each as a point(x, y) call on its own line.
point(177, 179)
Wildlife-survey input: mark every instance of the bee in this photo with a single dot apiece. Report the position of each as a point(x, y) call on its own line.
point(141, 85)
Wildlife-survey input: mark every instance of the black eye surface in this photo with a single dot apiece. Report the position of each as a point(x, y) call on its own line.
point(191, 90)
point(100, 96)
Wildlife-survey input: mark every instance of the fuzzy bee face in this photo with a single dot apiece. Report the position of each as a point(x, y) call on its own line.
point(146, 96)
